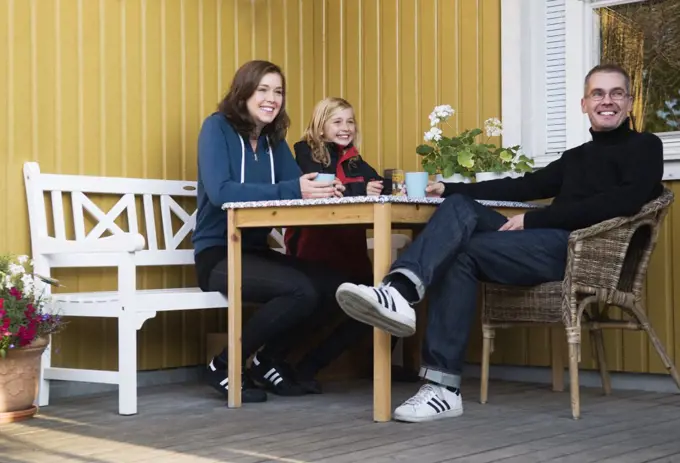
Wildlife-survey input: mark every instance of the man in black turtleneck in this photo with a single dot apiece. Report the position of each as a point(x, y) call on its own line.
point(464, 242)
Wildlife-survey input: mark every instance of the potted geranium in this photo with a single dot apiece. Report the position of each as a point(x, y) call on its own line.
point(24, 334)
point(463, 157)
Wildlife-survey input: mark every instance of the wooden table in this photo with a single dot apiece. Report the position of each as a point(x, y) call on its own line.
point(380, 212)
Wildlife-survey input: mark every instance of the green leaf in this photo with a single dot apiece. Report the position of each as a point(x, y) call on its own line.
point(445, 141)
point(3, 353)
point(506, 156)
point(522, 167)
point(448, 171)
point(523, 158)
point(447, 151)
point(430, 168)
point(466, 159)
point(424, 149)
point(475, 132)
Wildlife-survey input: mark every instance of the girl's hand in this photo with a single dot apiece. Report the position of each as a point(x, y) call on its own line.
point(374, 188)
point(339, 187)
point(311, 189)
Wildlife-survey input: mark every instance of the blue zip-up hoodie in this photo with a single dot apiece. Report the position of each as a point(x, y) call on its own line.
point(219, 181)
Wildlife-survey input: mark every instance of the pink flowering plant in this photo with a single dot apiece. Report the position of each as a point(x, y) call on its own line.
point(22, 303)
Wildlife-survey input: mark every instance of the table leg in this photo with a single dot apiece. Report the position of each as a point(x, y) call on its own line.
point(234, 310)
point(413, 344)
point(382, 353)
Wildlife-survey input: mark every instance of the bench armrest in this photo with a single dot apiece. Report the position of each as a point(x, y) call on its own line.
point(127, 242)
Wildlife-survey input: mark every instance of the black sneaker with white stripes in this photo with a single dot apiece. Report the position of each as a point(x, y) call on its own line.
point(432, 402)
point(276, 377)
point(383, 307)
point(216, 376)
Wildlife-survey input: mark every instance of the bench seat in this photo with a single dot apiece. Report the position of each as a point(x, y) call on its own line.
point(108, 303)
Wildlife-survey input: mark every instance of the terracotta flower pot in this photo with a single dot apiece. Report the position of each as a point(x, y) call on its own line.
point(19, 375)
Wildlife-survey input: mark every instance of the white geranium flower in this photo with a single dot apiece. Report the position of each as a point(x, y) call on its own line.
point(440, 114)
point(28, 283)
point(444, 111)
point(15, 269)
point(435, 133)
point(8, 282)
point(493, 127)
point(22, 259)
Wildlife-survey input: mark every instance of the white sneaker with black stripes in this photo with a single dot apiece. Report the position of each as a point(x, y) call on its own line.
point(432, 402)
point(383, 307)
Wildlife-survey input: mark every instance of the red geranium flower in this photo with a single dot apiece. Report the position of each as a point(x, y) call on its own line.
point(26, 335)
point(15, 292)
point(30, 311)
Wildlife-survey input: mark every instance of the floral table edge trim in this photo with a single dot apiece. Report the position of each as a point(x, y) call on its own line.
point(364, 200)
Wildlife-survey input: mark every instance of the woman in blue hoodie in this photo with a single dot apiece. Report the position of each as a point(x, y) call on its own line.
point(243, 156)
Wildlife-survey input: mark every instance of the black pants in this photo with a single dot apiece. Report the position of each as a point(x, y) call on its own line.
point(291, 292)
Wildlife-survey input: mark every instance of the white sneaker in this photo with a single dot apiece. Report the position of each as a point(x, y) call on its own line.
point(383, 307)
point(432, 402)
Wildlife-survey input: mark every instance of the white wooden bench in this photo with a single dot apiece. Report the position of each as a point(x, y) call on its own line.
point(106, 244)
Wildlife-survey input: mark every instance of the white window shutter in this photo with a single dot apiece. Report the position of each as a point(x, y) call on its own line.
point(555, 75)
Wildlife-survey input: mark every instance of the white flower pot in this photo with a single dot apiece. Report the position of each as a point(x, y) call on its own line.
point(455, 178)
point(484, 176)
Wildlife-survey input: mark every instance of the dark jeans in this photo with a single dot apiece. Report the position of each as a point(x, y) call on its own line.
point(459, 247)
point(290, 291)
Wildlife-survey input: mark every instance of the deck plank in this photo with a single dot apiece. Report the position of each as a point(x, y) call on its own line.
point(521, 423)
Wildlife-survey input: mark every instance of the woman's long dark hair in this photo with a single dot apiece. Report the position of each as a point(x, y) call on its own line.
point(244, 84)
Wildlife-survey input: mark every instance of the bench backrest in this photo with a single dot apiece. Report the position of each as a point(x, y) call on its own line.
point(166, 220)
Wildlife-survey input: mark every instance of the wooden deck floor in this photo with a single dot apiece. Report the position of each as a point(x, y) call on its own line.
point(188, 423)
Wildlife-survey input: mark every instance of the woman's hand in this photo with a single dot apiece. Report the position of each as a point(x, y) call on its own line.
point(311, 189)
point(374, 188)
point(435, 189)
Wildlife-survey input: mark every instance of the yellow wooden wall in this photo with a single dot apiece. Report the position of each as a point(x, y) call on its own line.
point(120, 87)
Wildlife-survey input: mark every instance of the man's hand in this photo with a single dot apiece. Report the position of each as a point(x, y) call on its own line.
point(514, 223)
point(434, 189)
point(311, 189)
point(339, 187)
point(374, 188)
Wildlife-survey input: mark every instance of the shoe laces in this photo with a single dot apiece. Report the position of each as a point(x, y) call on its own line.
point(426, 392)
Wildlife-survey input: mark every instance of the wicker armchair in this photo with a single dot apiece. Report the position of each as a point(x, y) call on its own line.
point(606, 267)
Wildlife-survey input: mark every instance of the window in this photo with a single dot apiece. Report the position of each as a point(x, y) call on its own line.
point(644, 37)
point(554, 43)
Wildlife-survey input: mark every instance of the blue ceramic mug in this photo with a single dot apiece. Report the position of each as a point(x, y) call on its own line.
point(325, 178)
point(416, 182)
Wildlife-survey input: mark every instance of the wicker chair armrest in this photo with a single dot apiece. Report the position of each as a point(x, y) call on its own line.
point(607, 255)
point(612, 224)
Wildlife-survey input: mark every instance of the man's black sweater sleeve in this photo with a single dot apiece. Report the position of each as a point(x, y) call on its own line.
point(540, 184)
point(641, 177)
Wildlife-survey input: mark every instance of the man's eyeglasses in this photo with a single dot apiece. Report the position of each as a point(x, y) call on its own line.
point(616, 95)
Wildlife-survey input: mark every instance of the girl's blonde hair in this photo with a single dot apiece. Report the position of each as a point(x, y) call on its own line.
point(323, 111)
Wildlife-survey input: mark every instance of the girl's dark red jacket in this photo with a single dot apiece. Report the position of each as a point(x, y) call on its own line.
point(342, 247)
